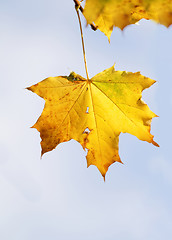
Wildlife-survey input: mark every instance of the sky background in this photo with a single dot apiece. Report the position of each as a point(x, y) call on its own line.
point(58, 197)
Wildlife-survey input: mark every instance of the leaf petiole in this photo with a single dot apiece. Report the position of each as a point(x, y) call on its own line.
point(83, 47)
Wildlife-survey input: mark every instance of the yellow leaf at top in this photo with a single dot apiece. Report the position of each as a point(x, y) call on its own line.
point(94, 112)
point(109, 13)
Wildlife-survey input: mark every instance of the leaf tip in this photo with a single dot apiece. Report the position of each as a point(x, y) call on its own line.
point(28, 88)
point(120, 161)
point(153, 81)
point(155, 143)
point(42, 152)
point(34, 126)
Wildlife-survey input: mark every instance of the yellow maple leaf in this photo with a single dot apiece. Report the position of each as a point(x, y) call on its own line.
point(94, 112)
point(109, 13)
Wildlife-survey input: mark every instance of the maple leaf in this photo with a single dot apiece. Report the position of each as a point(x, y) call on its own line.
point(94, 112)
point(109, 13)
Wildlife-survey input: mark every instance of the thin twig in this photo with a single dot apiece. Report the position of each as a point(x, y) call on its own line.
point(83, 48)
point(78, 5)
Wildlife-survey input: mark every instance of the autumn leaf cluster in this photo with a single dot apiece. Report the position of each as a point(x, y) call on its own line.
point(95, 111)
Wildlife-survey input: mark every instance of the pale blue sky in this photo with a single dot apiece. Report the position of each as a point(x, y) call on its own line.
point(58, 197)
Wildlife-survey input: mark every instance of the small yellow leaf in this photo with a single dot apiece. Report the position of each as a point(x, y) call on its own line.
point(109, 13)
point(94, 112)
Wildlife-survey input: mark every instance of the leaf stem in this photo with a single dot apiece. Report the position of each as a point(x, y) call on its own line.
point(78, 5)
point(83, 47)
